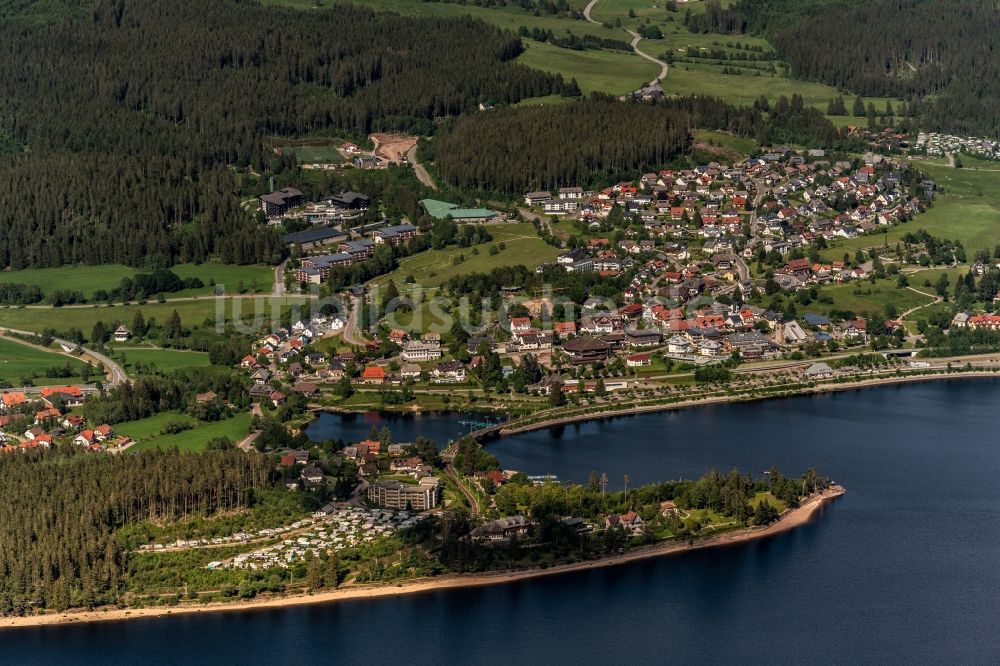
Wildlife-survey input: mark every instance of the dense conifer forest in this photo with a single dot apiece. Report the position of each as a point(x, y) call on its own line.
point(941, 52)
point(125, 131)
point(62, 510)
point(595, 141)
point(544, 146)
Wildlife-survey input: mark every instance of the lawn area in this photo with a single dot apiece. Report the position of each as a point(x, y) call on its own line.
point(708, 79)
point(434, 267)
point(309, 154)
point(918, 278)
point(967, 209)
point(193, 314)
point(613, 72)
point(88, 279)
point(235, 428)
point(924, 314)
point(864, 297)
point(19, 361)
point(165, 360)
point(770, 499)
point(731, 142)
point(146, 428)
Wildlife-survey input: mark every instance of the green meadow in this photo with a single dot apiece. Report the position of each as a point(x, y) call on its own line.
point(196, 439)
point(165, 360)
point(613, 72)
point(19, 361)
point(434, 267)
point(194, 314)
point(89, 279)
point(152, 426)
point(966, 209)
point(864, 297)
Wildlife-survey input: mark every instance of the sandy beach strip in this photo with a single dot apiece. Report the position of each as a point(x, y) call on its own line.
point(789, 520)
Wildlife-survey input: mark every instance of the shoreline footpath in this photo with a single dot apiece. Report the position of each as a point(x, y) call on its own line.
point(727, 399)
point(789, 520)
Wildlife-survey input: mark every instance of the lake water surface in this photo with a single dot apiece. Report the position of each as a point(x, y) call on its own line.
point(905, 567)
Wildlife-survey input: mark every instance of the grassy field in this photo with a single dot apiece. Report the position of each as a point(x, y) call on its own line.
point(147, 428)
point(729, 142)
point(918, 278)
point(19, 361)
point(88, 279)
point(235, 428)
point(165, 360)
point(614, 72)
point(967, 209)
point(864, 297)
point(193, 314)
point(310, 154)
point(434, 267)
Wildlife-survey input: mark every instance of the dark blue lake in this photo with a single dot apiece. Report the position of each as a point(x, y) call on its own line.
point(905, 567)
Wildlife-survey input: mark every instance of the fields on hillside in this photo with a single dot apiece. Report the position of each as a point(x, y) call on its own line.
point(434, 267)
point(864, 297)
point(967, 209)
point(726, 141)
point(235, 428)
point(613, 72)
point(619, 72)
point(165, 360)
point(88, 279)
point(18, 361)
point(193, 314)
point(146, 428)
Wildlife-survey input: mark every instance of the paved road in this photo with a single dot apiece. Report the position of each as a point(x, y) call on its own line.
point(473, 502)
point(279, 278)
point(535, 217)
point(247, 442)
point(742, 267)
point(418, 168)
point(664, 68)
point(116, 374)
point(636, 38)
point(352, 334)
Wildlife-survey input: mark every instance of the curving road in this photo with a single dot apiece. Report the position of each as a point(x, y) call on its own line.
point(422, 175)
point(664, 68)
point(470, 498)
point(636, 38)
point(116, 374)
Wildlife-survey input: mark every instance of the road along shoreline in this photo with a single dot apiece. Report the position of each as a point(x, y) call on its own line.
point(515, 429)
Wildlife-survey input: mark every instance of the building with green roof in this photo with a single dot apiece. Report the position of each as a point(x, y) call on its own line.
point(442, 209)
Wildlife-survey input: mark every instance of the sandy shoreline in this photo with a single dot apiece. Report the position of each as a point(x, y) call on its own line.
point(726, 399)
point(789, 520)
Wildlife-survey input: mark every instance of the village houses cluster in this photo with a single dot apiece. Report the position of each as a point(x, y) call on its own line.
point(39, 420)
